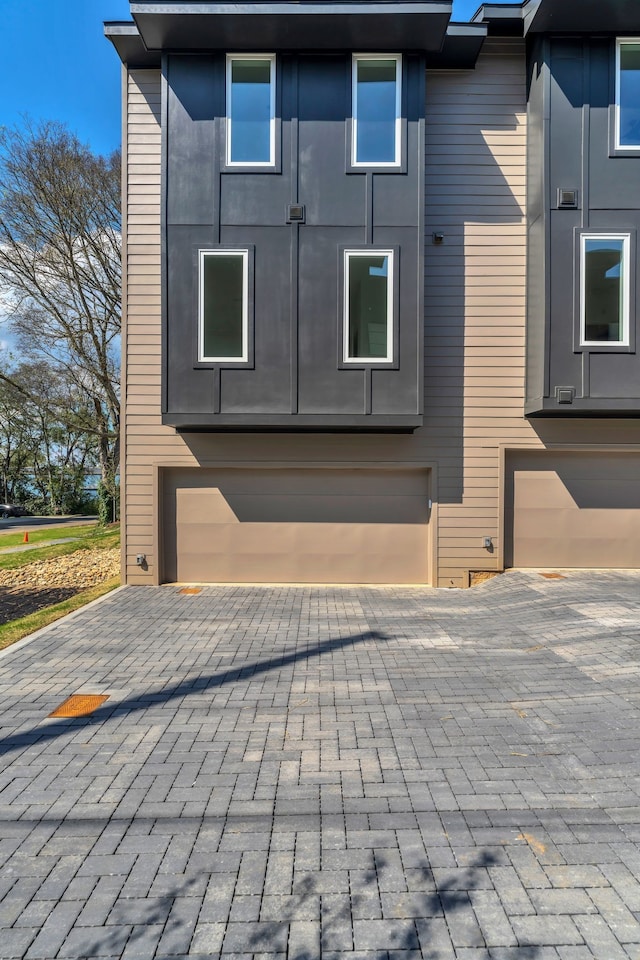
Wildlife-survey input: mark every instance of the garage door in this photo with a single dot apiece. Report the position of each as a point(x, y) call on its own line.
point(573, 510)
point(295, 525)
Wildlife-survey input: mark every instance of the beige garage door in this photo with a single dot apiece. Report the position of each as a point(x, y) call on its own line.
point(295, 525)
point(573, 510)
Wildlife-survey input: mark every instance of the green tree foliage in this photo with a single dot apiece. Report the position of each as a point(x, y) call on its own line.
point(60, 281)
point(44, 459)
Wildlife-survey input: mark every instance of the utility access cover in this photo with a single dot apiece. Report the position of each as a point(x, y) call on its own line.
point(79, 705)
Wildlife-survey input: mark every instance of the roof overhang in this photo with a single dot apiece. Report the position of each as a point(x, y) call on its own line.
point(290, 24)
point(502, 19)
point(461, 48)
point(560, 16)
point(126, 39)
point(587, 16)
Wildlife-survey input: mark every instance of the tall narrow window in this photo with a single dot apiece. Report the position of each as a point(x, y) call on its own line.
point(223, 305)
point(251, 110)
point(605, 289)
point(376, 110)
point(368, 308)
point(628, 94)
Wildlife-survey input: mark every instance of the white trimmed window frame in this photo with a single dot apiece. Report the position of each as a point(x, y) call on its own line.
point(223, 252)
point(389, 164)
point(271, 58)
point(626, 290)
point(364, 252)
point(620, 42)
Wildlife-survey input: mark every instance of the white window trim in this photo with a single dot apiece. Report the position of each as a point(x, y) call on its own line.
point(271, 57)
point(397, 162)
point(370, 252)
point(619, 44)
point(626, 288)
point(245, 304)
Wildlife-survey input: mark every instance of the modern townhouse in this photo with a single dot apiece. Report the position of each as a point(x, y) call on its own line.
point(380, 299)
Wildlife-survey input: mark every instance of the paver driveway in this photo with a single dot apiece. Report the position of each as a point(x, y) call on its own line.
point(336, 773)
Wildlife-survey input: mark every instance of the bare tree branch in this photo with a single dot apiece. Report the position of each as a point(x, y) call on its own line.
point(60, 269)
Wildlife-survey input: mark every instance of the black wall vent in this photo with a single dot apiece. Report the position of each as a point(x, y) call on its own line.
point(567, 199)
point(565, 394)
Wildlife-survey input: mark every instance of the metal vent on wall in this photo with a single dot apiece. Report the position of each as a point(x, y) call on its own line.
point(567, 199)
point(565, 394)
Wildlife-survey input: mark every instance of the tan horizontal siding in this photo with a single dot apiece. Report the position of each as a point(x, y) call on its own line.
point(475, 282)
point(144, 431)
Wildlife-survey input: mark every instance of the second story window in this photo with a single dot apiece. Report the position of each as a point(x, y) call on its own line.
point(628, 94)
point(368, 306)
point(223, 326)
point(605, 290)
point(251, 102)
point(376, 101)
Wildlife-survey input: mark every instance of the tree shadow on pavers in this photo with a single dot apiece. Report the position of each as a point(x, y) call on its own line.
point(387, 911)
point(137, 925)
point(195, 685)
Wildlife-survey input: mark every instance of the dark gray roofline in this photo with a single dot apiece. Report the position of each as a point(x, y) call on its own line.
point(587, 16)
point(124, 35)
point(458, 48)
point(561, 16)
point(212, 7)
point(502, 19)
point(461, 48)
point(462, 45)
point(289, 24)
point(353, 24)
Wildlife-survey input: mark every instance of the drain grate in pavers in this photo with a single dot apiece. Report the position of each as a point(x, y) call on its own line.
point(191, 590)
point(79, 705)
point(553, 576)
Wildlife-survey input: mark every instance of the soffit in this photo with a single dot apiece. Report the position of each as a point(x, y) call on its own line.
point(588, 16)
point(501, 19)
point(367, 25)
point(462, 45)
point(129, 46)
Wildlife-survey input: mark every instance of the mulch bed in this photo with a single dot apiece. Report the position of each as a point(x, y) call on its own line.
point(16, 602)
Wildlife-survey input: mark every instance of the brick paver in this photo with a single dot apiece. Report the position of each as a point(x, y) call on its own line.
point(335, 773)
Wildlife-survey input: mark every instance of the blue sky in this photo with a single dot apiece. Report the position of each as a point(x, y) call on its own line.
point(56, 65)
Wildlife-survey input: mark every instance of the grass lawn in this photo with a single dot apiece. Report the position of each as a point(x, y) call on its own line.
point(90, 537)
point(42, 534)
point(86, 538)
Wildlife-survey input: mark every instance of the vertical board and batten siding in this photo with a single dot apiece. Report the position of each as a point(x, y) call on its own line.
point(475, 296)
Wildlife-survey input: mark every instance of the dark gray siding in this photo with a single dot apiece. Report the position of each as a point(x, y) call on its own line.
point(295, 379)
point(571, 104)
